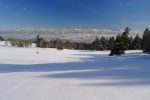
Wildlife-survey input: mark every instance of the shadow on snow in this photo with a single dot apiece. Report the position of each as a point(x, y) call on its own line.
point(124, 70)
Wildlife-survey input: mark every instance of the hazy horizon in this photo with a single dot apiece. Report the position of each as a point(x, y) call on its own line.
point(77, 35)
point(72, 19)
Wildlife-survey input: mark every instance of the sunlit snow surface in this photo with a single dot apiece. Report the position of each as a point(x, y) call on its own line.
point(73, 75)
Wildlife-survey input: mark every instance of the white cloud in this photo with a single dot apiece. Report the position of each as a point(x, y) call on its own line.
point(86, 35)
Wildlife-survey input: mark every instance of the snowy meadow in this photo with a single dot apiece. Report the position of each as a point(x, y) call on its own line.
point(50, 74)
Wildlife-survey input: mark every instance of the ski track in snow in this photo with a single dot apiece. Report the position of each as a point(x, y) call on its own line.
point(73, 75)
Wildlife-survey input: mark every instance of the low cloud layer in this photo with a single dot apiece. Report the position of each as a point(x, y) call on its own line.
point(84, 35)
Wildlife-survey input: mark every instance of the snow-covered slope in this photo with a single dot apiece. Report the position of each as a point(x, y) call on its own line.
point(49, 74)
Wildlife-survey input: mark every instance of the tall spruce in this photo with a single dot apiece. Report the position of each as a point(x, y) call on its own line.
point(111, 42)
point(104, 43)
point(137, 43)
point(131, 45)
point(37, 41)
point(146, 41)
point(96, 45)
point(125, 38)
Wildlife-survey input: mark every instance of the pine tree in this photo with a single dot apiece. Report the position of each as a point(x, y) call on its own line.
point(59, 45)
point(118, 47)
point(137, 43)
point(131, 45)
point(96, 44)
point(103, 42)
point(81, 46)
point(146, 41)
point(111, 42)
point(125, 38)
point(41, 43)
point(44, 44)
point(37, 41)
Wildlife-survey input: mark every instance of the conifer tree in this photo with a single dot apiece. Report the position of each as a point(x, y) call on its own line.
point(103, 42)
point(118, 47)
point(37, 41)
point(96, 44)
point(125, 38)
point(59, 45)
point(44, 44)
point(146, 41)
point(111, 42)
point(137, 43)
point(131, 45)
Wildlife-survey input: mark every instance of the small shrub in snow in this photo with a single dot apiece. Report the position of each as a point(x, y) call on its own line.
point(117, 49)
point(59, 45)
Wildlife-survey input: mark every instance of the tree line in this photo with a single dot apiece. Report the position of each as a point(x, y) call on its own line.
point(99, 44)
point(124, 41)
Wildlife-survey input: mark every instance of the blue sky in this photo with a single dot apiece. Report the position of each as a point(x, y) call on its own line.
point(113, 14)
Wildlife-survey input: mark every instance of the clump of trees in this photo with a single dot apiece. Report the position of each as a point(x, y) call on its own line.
point(101, 44)
point(42, 43)
point(117, 44)
point(20, 42)
point(121, 42)
point(124, 42)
